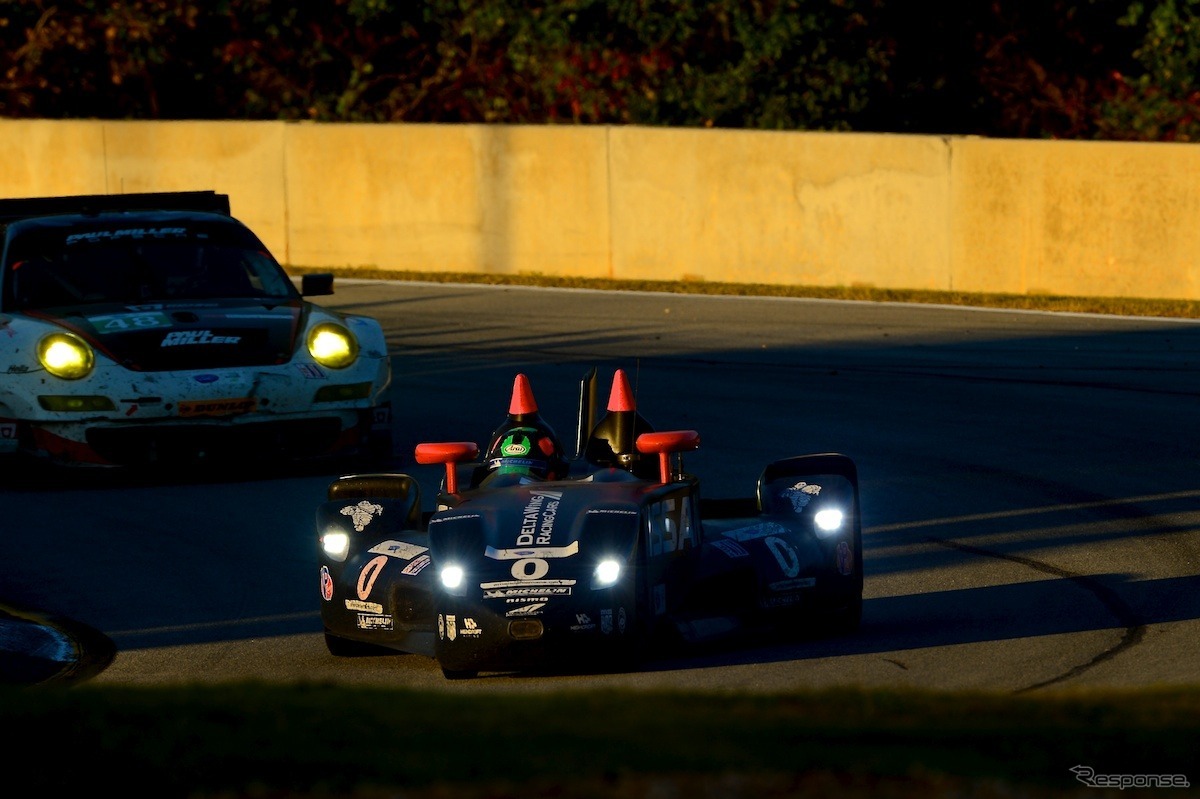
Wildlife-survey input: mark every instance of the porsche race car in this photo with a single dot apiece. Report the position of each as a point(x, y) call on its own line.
point(156, 328)
point(535, 560)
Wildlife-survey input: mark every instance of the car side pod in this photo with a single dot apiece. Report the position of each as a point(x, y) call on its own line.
point(664, 444)
point(449, 453)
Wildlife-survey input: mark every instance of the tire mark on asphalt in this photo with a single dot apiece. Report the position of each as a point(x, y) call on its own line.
point(1135, 627)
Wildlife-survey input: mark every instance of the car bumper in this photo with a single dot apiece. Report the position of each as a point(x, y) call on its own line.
point(472, 637)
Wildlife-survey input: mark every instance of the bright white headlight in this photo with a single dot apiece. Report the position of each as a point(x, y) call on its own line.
point(452, 576)
point(608, 571)
point(336, 545)
point(829, 519)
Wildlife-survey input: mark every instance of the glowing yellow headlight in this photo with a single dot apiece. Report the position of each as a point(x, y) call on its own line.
point(65, 355)
point(332, 345)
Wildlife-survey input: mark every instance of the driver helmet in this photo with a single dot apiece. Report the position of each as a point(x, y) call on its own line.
point(527, 450)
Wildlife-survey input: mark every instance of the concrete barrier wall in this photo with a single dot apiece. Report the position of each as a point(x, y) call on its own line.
point(825, 209)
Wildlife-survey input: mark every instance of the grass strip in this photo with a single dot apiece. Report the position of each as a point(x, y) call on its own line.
point(322, 740)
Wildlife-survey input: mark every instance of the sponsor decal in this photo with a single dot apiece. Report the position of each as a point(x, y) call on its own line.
point(513, 448)
point(800, 495)
point(8, 431)
point(785, 556)
point(731, 549)
point(621, 620)
point(612, 511)
point(365, 607)
point(532, 609)
point(845, 558)
point(441, 628)
point(583, 623)
point(362, 513)
point(188, 338)
point(470, 629)
point(535, 552)
point(606, 621)
point(369, 621)
point(783, 600)
point(793, 584)
point(451, 628)
point(526, 584)
point(537, 520)
point(525, 592)
point(415, 567)
point(756, 531)
point(310, 371)
point(457, 518)
point(326, 584)
point(127, 234)
point(217, 407)
point(138, 320)
point(368, 575)
point(398, 549)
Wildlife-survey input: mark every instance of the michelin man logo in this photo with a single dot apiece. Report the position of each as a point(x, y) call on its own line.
point(362, 513)
point(801, 494)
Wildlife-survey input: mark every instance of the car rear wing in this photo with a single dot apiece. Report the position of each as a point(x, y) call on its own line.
point(26, 207)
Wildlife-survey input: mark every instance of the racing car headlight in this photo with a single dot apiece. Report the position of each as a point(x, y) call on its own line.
point(332, 345)
point(66, 355)
point(829, 520)
point(608, 571)
point(452, 577)
point(336, 545)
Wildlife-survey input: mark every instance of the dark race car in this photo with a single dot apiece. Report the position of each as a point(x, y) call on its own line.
point(532, 560)
point(156, 328)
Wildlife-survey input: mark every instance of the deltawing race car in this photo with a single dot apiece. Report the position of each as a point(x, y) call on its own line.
point(156, 328)
point(534, 561)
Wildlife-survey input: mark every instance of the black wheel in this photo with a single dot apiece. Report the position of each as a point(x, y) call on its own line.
point(345, 648)
point(846, 620)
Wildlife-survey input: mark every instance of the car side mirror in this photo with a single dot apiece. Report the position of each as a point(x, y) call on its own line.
point(316, 285)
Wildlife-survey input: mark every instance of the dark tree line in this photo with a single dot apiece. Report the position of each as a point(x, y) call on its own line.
point(1081, 69)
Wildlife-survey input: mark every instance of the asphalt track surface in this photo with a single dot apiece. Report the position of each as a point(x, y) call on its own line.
point(1029, 490)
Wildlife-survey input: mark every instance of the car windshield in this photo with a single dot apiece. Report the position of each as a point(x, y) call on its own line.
point(57, 267)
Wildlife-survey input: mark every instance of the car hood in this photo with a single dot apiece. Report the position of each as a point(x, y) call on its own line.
point(188, 335)
point(550, 521)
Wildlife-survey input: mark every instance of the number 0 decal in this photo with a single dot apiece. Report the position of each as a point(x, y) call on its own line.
point(530, 569)
point(785, 556)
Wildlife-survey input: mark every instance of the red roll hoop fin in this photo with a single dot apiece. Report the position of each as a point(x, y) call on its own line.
point(522, 402)
point(620, 398)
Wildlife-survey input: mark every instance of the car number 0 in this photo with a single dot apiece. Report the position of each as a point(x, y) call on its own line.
point(530, 569)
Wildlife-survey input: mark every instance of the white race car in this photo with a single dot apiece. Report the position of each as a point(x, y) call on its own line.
point(156, 328)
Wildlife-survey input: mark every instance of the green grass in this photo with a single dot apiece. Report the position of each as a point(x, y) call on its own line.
point(323, 740)
point(1124, 306)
